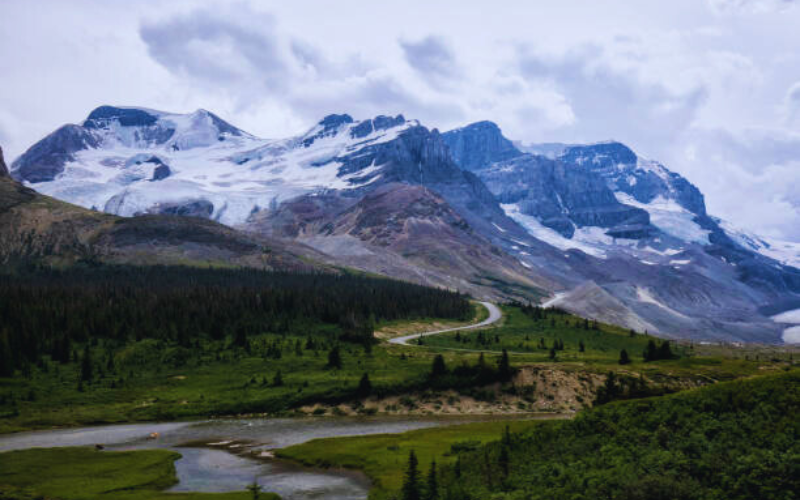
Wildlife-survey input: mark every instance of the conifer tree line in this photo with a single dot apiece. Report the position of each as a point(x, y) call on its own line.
point(54, 312)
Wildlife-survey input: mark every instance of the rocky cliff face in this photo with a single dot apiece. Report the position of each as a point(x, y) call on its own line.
point(625, 172)
point(559, 195)
point(479, 144)
point(405, 231)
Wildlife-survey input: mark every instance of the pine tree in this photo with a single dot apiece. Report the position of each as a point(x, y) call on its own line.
point(504, 367)
point(581, 347)
point(411, 487)
point(439, 368)
point(623, 357)
point(504, 460)
point(665, 351)
point(364, 386)
point(432, 487)
point(335, 358)
point(86, 365)
point(651, 351)
point(552, 354)
point(277, 381)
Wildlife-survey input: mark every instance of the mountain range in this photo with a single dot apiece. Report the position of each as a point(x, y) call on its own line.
point(595, 229)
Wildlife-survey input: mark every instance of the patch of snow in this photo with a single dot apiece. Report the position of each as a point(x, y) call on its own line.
point(785, 252)
point(682, 262)
point(537, 230)
point(644, 295)
point(670, 217)
point(499, 228)
point(555, 299)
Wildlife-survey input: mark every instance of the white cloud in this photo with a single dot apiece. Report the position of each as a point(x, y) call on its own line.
point(750, 6)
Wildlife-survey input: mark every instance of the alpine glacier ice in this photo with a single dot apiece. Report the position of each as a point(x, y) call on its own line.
point(137, 160)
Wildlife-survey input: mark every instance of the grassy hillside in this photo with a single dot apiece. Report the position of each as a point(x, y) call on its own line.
point(39, 229)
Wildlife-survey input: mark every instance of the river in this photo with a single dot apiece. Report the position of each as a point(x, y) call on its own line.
point(228, 454)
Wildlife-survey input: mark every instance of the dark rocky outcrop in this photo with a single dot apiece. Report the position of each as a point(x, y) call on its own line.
point(127, 117)
point(188, 208)
point(559, 196)
point(44, 160)
point(328, 127)
point(478, 145)
point(619, 166)
point(380, 122)
point(161, 171)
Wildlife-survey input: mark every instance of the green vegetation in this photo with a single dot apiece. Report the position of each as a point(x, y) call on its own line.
point(86, 474)
point(116, 344)
point(384, 457)
point(123, 344)
point(47, 312)
point(541, 332)
point(736, 440)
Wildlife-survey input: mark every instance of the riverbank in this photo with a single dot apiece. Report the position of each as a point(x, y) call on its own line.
point(219, 456)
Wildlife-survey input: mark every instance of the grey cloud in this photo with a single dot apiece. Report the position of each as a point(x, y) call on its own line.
point(218, 47)
point(611, 103)
point(431, 57)
point(244, 54)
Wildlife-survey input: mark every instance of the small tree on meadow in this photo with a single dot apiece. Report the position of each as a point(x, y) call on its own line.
point(504, 367)
point(364, 386)
point(439, 368)
point(623, 357)
point(335, 358)
point(432, 487)
point(411, 489)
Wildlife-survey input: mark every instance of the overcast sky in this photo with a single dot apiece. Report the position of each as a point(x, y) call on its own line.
point(711, 88)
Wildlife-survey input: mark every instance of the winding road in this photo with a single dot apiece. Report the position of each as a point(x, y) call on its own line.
point(494, 316)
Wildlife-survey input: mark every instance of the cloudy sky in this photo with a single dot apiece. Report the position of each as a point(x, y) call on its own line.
point(709, 87)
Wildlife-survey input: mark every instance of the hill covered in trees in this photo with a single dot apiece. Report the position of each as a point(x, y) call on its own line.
point(737, 440)
point(54, 313)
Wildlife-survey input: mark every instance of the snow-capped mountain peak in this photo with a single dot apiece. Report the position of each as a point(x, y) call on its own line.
point(130, 160)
